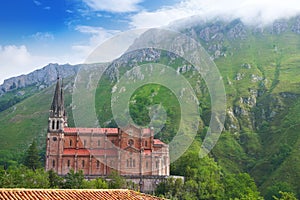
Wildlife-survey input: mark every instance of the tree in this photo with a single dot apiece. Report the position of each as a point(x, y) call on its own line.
point(35, 179)
point(116, 181)
point(273, 191)
point(240, 186)
point(55, 181)
point(170, 188)
point(285, 196)
point(74, 180)
point(97, 183)
point(32, 158)
point(22, 177)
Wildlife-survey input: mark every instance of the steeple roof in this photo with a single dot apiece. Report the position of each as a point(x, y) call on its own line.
point(57, 107)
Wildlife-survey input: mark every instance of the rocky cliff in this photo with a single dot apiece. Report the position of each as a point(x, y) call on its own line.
point(41, 78)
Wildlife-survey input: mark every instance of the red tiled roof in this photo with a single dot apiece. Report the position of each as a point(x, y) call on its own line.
point(86, 152)
point(157, 141)
point(56, 194)
point(147, 152)
point(91, 130)
point(80, 152)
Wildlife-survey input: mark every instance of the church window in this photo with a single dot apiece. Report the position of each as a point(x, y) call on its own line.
point(146, 164)
point(146, 143)
point(133, 162)
point(130, 142)
point(84, 143)
point(98, 143)
point(157, 164)
point(127, 163)
point(53, 163)
point(71, 143)
point(130, 162)
point(82, 163)
point(98, 163)
point(53, 124)
point(57, 125)
point(68, 163)
point(54, 139)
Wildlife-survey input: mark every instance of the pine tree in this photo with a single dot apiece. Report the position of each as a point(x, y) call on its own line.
point(32, 158)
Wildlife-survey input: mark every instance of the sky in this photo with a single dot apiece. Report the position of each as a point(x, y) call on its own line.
point(34, 33)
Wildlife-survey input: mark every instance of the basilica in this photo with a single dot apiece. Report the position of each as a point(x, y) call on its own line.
point(130, 151)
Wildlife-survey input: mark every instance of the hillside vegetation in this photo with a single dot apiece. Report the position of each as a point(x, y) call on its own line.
point(260, 70)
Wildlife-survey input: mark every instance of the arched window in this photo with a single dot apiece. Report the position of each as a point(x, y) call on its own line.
point(71, 143)
point(98, 143)
point(98, 163)
point(130, 142)
point(68, 163)
point(127, 163)
point(53, 125)
point(82, 163)
point(130, 162)
point(53, 163)
point(146, 143)
point(57, 124)
point(133, 162)
point(146, 164)
point(84, 143)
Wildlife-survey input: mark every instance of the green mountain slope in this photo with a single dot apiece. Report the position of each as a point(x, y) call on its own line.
point(261, 74)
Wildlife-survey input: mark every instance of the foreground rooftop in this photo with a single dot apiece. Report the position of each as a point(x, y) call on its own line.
point(72, 194)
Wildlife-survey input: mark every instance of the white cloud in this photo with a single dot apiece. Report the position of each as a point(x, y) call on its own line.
point(17, 60)
point(117, 6)
point(98, 35)
point(39, 36)
point(38, 3)
point(250, 11)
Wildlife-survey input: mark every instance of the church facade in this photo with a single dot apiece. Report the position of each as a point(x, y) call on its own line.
point(130, 151)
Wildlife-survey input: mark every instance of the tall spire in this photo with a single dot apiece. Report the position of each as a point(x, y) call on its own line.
point(57, 107)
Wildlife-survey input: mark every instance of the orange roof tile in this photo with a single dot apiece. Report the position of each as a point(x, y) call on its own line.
point(91, 130)
point(147, 152)
point(157, 141)
point(57, 194)
point(96, 152)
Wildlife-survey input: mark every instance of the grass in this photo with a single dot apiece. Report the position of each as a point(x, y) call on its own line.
point(274, 58)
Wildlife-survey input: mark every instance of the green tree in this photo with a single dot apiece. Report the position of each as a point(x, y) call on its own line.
point(116, 181)
point(55, 181)
point(273, 191)
point(32, 158)
point(170, 188)
point(97, 183)
point(285, 196)
point(240, 186)
point(22, 177)
point(74, 180)
point(36, 179)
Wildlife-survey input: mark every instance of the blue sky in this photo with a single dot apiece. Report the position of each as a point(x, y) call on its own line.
point(34, 33)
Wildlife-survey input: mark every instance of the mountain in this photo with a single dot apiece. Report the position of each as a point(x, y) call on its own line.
point(41, 78)
point(260, 69)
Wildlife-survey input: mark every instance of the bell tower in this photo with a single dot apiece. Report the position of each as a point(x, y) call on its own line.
point(56, 123)
point(57, 115)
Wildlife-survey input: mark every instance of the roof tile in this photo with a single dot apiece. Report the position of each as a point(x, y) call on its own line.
point(58, 194)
